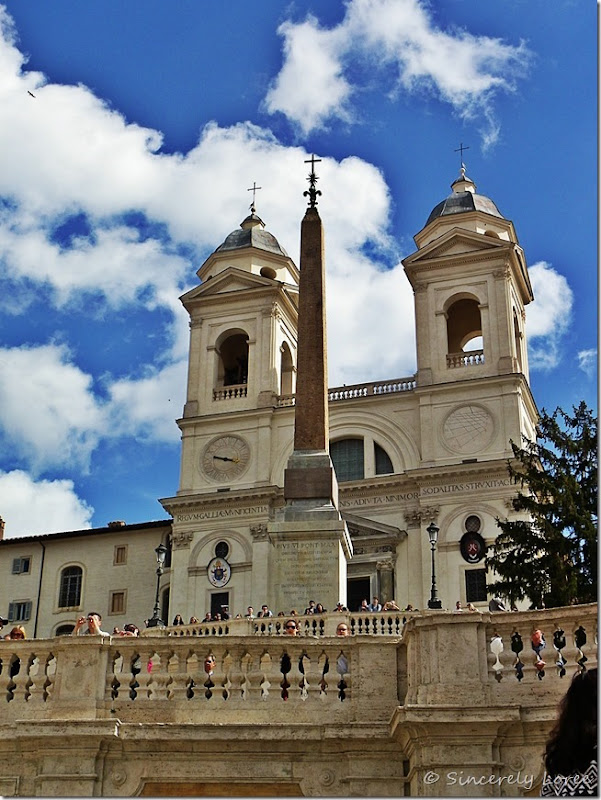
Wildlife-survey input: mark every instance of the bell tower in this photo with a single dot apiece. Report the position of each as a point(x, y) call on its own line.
point(237, 420)
point(471, 285)
point(243, 342)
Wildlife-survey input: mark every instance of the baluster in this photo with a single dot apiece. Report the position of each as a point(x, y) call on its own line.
point(285, 667)
point(538, 645)
point(324, 666)
point(304, 662)
point(172, 684)
point(227, 684)
point(245, 683)
point(35, 689)
point(496, 648)
point(342, 669)
point(559, 642)
point(18, 677)
point(580, 641)
point(191, 676)
point(210, 663)
point(265, 667)
point(112, 678)
point(517, 646)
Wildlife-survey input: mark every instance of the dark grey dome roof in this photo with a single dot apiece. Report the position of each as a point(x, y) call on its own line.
point(252, 233)
point(464, 198)
point(458, 202)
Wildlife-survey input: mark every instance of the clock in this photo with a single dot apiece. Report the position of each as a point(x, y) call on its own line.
point(225, 457)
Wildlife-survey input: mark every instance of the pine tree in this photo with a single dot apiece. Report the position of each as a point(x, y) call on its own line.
point(551, 558)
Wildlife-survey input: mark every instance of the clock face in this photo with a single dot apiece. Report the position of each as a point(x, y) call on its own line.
point(225, 457)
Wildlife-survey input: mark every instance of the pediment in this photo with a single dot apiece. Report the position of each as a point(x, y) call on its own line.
point(456, 242)
point(228, 281)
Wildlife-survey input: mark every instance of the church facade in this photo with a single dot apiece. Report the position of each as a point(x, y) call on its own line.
point(423, 703)
point(408, 452)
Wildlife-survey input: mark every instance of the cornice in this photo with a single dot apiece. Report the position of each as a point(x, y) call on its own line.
point(247, 498)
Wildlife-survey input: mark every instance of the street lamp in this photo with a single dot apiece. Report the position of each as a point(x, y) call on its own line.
point(156, 620)
point(432, 531)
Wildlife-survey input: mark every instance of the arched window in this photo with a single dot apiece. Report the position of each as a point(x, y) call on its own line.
point(463, 324)
point(465, 346)
point(64, 630)
point(383, 462)
point(347, 457)
point(69, 595)
point(287, 370)
point(233, 360)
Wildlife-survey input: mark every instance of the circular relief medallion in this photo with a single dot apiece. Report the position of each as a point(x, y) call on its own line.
point(225, 458)
point(468, 429)
point(219, 572)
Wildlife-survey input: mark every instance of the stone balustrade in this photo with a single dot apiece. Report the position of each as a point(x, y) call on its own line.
point(383, 623)
point(231, 392)
point(441, 693)
point(359, 390)
point(448, 652)
point(263, 677)
point(473, 358)
point(570, 643)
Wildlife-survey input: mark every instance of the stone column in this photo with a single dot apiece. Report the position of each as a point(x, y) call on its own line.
point(385, 580)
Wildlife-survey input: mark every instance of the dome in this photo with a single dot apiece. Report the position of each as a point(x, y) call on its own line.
point(252, 233)
point(463, 198)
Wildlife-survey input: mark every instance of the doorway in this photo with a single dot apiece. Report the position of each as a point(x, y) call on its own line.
point(220, 604)
point(358, 589)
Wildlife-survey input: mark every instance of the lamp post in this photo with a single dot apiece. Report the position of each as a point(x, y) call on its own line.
point(432, 531)
point(156, 620)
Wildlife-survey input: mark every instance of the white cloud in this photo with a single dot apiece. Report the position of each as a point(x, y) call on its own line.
point(310, 84)
point(48, 412)
point(377, 37)
point(548, 316)
point(50, 416)
point(32, 507)
point(114, 263)
point(587, 361)
point(148, 407)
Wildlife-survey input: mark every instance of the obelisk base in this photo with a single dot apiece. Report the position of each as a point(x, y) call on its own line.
point(310, 541)
point(308, 562)
point(310, 482)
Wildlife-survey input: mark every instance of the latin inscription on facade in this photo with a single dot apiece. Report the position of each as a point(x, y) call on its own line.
point(221, 513)
point(469, 486)
point(379, 500)
point(426, 491)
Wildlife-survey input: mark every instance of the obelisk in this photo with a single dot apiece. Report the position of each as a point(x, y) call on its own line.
point(310, 539)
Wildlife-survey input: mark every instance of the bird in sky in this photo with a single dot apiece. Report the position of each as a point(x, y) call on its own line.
point(31, 93)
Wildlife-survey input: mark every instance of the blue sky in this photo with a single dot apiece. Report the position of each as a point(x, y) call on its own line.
point(131, 162)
